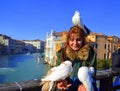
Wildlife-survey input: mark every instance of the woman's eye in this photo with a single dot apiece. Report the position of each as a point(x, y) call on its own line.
point(71, 39)
point(79, 39)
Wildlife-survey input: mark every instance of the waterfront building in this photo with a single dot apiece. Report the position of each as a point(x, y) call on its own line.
point(105, 45)
point(54, 41)
point(19, 46)
point(50, 48)
point(13, 46)
point(7, 44)
point(1, 43)
point(34, 45)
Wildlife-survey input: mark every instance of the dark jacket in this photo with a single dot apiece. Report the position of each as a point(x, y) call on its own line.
point(86, 56)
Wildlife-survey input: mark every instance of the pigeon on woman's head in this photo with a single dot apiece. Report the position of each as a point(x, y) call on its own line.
point(77, 21)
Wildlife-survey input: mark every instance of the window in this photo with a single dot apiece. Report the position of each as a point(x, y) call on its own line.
point(105, 46)
point(104, 56)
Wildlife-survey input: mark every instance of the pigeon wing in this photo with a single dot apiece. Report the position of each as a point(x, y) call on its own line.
point(60, 73)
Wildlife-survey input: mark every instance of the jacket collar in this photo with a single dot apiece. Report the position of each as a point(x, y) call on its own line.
point(82, 54)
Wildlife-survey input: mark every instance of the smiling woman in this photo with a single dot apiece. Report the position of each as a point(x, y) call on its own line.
point(76, 38)
point(21, 67)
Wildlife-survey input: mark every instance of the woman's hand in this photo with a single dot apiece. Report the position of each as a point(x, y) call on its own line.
point(63, 85)
point(81, 88)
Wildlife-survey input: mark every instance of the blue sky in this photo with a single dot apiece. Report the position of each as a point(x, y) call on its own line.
point(32, 19)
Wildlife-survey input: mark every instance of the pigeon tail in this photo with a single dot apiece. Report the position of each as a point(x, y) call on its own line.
point(88, 84)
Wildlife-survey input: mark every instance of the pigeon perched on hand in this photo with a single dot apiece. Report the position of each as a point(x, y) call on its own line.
point(58, 73)
point(85, 76)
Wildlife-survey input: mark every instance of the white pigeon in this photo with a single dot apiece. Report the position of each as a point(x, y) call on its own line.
point(59, 73)
point(76, 20)
point(85, 76)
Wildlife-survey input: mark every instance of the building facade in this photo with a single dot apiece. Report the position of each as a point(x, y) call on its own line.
point(105, 45)
point(54, 42)
point(13, 46)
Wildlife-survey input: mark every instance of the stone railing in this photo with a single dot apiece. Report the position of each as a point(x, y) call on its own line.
point(105, 77)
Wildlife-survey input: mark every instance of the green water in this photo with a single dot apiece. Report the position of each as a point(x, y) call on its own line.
point(21, 67)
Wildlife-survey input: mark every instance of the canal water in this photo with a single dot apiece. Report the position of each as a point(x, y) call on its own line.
point(22, 67)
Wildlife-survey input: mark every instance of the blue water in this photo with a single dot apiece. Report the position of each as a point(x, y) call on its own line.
point(21, 67)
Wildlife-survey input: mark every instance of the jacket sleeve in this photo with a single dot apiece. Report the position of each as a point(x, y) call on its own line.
point(91, 58)
point(92, 61)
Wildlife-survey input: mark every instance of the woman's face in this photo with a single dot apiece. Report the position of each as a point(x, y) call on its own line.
point(75, 42)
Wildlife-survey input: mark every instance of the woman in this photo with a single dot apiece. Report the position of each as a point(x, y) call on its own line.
point(80, 53)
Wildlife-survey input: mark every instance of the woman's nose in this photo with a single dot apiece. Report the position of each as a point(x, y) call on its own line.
point(75, 41)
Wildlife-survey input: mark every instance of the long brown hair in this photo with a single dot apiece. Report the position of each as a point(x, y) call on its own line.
point(76, 30)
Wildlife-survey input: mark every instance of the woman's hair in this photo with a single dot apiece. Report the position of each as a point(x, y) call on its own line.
point(76, 30)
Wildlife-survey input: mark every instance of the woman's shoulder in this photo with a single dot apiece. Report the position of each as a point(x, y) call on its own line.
point(59, 53)
point(90, 47)
point(60, 50)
